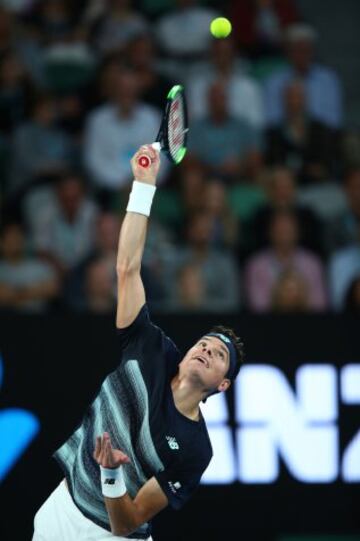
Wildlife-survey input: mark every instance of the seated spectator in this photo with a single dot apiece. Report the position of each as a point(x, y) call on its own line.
point(100, 287)
point(54, 17)
point(258, 25)
point(16, 90)
point(39, 147)
point(284, 253)
point(6, 30)
point(19, 7)
point(350, 146)
point(105, 249)
point(307, 146)
point(115, 130)
point(184, 33)
point(154, 86)
point(326, 199)
point(344, 266)
point(104, 88)
point(225, 225)
point(219, 272)
point(69, 64)
point(100, 295)
point(192, 186)
point(26, 282)
point(323, 88)
point(63, 233)
point(352, 297)
point(244, 97)
point(281, 191)
point(290, 293)
point(72, 112)
point(189, 294)
point(117, 25)
point(21, 36)
point(173, 204)
point(221, 143)
point(343, 230)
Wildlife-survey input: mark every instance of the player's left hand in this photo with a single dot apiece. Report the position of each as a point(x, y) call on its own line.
point(106, 456)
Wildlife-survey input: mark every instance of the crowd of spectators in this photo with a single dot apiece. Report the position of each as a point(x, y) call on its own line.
point(264, 212)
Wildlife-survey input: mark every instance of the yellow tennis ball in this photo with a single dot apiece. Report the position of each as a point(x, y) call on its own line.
point(220, 27)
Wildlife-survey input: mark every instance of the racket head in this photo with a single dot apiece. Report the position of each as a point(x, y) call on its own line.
point(174, 126)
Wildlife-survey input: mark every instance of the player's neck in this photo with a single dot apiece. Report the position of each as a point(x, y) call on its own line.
point(186, 399)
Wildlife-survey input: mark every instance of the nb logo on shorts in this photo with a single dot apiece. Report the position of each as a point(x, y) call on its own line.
point(173, 444)
point(109, 481)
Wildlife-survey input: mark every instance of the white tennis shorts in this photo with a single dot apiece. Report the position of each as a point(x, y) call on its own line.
point(58, 519)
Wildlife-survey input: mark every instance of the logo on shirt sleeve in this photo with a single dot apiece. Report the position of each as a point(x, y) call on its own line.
point(173, 444)
point(174, 486)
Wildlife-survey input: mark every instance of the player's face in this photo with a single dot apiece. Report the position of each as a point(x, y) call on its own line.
point(208, 361)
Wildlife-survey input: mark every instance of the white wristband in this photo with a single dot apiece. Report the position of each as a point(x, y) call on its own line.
point(141, 197)
point(112, 482)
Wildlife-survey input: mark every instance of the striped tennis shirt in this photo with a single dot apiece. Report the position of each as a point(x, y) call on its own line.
point(135, 405)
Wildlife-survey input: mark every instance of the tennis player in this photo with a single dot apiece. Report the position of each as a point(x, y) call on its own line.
point(143, 443)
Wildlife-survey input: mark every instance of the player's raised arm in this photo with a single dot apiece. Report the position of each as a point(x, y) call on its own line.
point(131, 294)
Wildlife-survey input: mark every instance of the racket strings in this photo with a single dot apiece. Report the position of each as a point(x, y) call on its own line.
point(176, 128)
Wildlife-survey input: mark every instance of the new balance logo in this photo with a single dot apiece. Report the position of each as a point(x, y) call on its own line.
point(173, 444)
point(109, 481)
point(174, 486)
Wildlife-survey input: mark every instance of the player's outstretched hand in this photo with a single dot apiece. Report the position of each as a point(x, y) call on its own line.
point(106, 456)
point(146, 174)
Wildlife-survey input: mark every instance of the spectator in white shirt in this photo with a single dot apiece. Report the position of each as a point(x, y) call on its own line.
point(115, 130)
point(185, 31)
point(63, 232)
point(245, 100)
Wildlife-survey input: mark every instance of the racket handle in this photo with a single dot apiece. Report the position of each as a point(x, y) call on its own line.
point(145, 161)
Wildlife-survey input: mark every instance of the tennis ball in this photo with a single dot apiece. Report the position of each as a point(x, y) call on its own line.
point(220, 27)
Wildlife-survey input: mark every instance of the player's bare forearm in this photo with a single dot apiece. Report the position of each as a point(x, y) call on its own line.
point(123, 514)
point(131, 243)
point(126, 515)
point(131, 294)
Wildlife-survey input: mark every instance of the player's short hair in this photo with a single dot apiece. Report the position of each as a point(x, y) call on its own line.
point(238, 344)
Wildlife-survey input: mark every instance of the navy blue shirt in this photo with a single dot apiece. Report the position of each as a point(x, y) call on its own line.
point(136, 406)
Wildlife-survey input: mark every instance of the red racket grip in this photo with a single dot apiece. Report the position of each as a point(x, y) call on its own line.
point(145, 161)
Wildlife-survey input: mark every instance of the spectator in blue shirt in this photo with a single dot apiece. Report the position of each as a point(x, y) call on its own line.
point(221, 143)
point(322, 86)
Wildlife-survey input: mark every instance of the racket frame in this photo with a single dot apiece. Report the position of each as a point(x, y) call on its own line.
point(162, 139)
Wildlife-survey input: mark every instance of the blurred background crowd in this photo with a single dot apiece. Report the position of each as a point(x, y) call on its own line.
point(262, 215)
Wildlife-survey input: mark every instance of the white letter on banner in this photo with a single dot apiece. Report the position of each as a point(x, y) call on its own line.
point(222, 468)
point(350, 394)
point(275, 422)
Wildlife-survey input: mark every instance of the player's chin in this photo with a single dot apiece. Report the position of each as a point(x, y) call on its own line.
point(196, 371)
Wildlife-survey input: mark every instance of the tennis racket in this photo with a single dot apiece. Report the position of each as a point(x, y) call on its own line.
point(172, 136)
